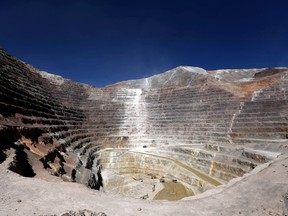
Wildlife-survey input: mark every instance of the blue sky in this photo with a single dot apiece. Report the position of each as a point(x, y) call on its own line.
point(101, 42)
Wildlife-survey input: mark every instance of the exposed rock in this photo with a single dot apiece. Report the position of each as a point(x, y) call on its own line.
point(20, 163)
point(146, 196)
point(200, 127)
point(84, 212)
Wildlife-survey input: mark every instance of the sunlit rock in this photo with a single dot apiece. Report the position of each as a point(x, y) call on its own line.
point(187, 130)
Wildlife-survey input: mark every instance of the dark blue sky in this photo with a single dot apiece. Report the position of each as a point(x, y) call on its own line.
point(101, 42)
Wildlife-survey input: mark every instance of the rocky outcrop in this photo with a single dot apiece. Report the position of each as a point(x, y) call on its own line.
point(201, 128)
point(84, 212)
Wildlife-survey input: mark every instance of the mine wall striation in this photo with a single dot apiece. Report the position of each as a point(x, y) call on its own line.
point(200, 128)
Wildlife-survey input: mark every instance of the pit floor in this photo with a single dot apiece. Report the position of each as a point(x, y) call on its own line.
point(143, 186)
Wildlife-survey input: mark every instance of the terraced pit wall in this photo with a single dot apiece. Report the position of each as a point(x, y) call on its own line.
point(201, 128)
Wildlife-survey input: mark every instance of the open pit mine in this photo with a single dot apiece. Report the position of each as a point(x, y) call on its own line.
point(184, 142)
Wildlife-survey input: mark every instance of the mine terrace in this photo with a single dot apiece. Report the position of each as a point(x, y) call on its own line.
point(213, 142)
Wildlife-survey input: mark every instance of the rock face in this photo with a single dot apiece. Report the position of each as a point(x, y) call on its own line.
point(191, 126)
